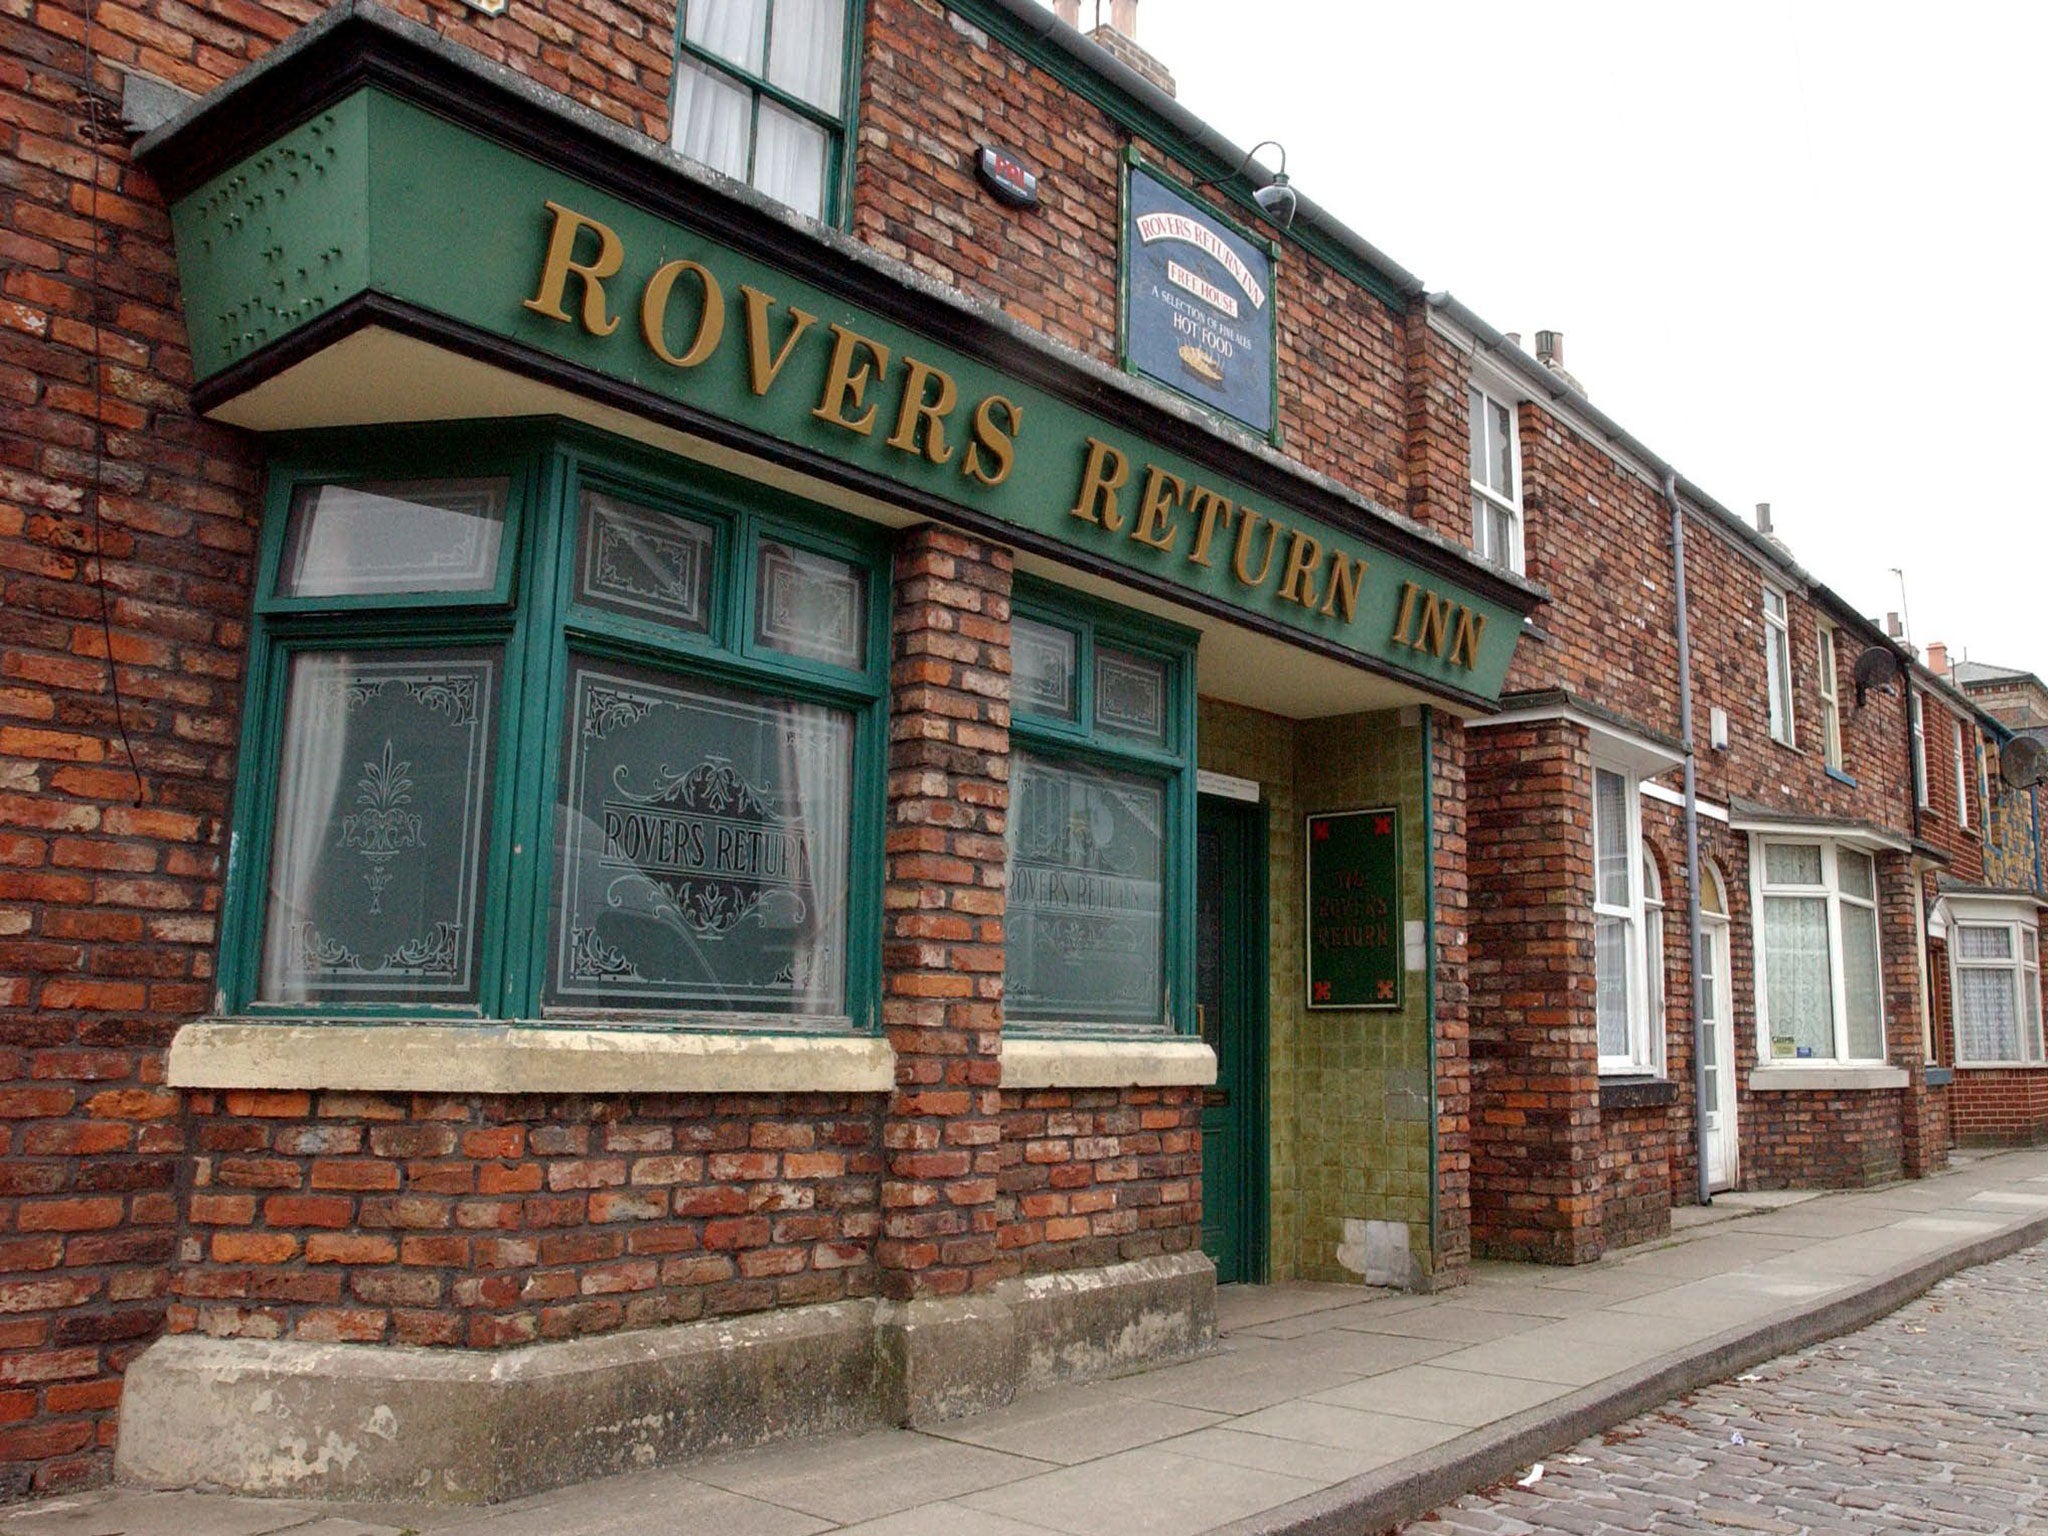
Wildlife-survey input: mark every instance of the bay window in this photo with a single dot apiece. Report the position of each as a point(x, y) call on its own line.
point(763, 93)
point(1997, 970)
point(552, 733)
point(1101, 820)
point(1821, 991)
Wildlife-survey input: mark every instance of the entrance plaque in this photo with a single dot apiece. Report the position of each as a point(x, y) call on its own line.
point(1354, 909)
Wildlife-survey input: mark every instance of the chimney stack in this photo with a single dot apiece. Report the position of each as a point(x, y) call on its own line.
point(1937, 659)
point(1893, 627)
point(1118, 37)
point(1763, 519)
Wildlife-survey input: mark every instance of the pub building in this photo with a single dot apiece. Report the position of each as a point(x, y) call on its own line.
point(802, 854)
point(789, 715)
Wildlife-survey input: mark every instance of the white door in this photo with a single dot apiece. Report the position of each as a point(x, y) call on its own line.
point(1724, 1140)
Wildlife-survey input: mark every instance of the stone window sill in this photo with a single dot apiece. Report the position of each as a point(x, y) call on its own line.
point(1826, 1079)
point(1161, 1063)
point(404, 1057)
point(1637, 1092)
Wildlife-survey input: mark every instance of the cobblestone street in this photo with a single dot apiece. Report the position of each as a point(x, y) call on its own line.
point(1927, 1421)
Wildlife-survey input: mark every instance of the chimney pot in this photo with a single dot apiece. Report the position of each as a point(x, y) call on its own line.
point(1893, 627)
point(1068, 11)
point(1514, 338)
point(1550, 348)
point(1763, 517)
point(1937, 658)
point(1123, 15)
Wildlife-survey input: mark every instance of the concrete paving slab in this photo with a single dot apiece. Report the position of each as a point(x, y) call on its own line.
point(1245, 1306)
point(1727, 1299)
point(1148, 1492)
point(1839, 1217)
point(131, 1512)
point(1075, 1425)
point(1532, 1301)
point(1340, 1317)
point(1450, 1321)
point(2019, 1198)
point(1377, 1437)
point(1325, 1464)
point(639, 1504)
point(864, 1477)
point(1443, 1396)
point(1238, 1392)
point(1611, 1280)
point(336, 1525)
point(1696, 1260)
point(1366, 1354)
point(945, 1519)
point(1580, 1350)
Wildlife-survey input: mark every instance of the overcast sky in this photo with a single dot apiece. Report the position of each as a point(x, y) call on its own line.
point(1796, 248)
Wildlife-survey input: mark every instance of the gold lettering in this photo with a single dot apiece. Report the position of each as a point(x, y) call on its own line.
point(761, 366)
point(1304, 554)
point(1407, 612)
point(1155, 508)
point(654, 314)
point(1239, 557)
point(561, 261)
point(1214, 509)
point(1465, 639)
point(1105, 471)
point(1433, 628)
point(931, 412)
point(846, 383)
point(1347, 576)
point(1001, 445)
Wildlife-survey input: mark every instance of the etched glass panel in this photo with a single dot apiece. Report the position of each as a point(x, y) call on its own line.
point(1043, 669)
point(385, 536)
point(1130, 695)
point(702, 847)
point(811, 605)
point(377, 857)
point(1083, 925)
point(651, 565)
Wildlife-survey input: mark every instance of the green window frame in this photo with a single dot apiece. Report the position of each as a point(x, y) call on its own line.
point(1102, 741)
point(723, 797)
point(730, 63)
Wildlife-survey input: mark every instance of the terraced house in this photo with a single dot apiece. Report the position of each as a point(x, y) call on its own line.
point(735, 719)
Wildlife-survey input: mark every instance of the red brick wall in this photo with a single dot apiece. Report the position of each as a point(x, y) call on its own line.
point(1535, 1085)
point(483, 1221)
point(1098, 1175)
point(1452, 883)
point(1635, 1174)
point(1999, 1107)
point(1822, 1140)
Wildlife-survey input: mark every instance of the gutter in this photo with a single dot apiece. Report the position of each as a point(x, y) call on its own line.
point(1695, 931)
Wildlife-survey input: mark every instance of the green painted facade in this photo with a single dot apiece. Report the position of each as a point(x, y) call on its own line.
point(1349, 1090)
point(374, 195)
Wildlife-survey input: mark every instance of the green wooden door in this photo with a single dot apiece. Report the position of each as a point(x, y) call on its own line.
point(1230, 990)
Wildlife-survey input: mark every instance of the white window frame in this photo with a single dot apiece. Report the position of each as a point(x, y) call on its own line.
point(1918, 711)
point(1643, 1054)
point(1982, 758)
point(1962, 779)
point(1777, 610)
point(1478, 419)
point(1830, 888)
point(1830, 697)
point(1656, 982)
point(2025, 973)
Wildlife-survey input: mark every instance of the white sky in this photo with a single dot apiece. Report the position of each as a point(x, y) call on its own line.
point(1794, 247)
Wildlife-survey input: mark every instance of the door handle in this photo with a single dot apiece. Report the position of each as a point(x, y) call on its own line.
point(1215, 1098)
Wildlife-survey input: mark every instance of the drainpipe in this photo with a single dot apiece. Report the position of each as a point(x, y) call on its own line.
point(1694, 932)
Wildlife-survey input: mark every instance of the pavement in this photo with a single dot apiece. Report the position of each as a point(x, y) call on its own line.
point(1325, 1409)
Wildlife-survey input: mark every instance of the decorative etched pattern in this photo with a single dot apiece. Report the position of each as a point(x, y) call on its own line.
point(1043, 671)
point(704, 848)
point(377, 537)
point(377, 855)
point(652, 565)
point(812, 606)
point(1084, 919)
point(1130, 695)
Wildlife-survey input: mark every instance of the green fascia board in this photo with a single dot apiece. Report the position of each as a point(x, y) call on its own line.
point(376, 195)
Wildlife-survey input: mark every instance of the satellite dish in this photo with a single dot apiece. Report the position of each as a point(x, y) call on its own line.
point(2023, 762)
point(1877, 667)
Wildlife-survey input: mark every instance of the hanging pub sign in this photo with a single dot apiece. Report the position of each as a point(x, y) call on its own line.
point(1197, 301)
point(1354, 909)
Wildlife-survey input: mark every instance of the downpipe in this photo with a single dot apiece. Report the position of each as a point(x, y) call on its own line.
point(1694, 932)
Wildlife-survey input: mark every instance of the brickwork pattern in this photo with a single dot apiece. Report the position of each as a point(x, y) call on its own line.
point(1535, 1085)
point(942, 940)
point(1451, 883)
point(483, 1221)
point(1635, 1174)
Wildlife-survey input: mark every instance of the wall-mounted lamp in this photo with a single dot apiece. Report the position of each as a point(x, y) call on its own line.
point(1275, 199)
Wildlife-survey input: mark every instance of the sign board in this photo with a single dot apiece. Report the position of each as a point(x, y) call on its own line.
point(1198, 302)
point(1354, 909)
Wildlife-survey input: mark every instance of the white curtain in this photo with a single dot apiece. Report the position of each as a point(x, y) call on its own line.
point(315, 729)
point(790, 155)
point(1610, 983)
point(807, 55)
point(711, 119)
point(732, 29)
point(1800, 990)
point(1862, 979)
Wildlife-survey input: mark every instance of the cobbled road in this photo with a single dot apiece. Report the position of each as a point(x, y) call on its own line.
point(1935, 1419)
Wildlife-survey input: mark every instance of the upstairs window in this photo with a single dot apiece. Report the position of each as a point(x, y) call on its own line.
point(1496, 482)
point(762, 94)
point(1830, 700)
point(1962, 778)
point(1778, 664)
point(1998, 993)
point(1918, 712)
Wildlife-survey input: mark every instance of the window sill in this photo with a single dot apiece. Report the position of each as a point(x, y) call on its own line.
point(1163, 1063)
point(1840, 777)
point(1635, 1092)
point(1826, 1079)
point(2002, 1066)
point(499, 1058)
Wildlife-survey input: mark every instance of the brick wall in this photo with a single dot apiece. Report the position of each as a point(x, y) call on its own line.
point(1535, 1085)
point(1822, 1140)
point(1635, 1174)
point(1451, 881)
point(481, 1221)
point(1999, 1107)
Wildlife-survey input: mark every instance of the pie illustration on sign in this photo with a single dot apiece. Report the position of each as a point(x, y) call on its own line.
point(1201, 365)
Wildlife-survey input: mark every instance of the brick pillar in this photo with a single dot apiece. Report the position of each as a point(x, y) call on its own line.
point(942, 924)
point(1450, 883)
point(1923, 1133)
point(1439, 477)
